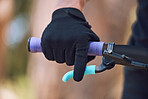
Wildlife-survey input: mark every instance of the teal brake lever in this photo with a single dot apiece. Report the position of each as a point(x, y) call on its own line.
point(88, 70)
point(107, 64)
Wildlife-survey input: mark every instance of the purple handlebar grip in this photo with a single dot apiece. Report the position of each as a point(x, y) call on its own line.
point(95, 48)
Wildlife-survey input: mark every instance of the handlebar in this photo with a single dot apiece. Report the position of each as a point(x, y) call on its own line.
point(109, 58)
point(95, 48)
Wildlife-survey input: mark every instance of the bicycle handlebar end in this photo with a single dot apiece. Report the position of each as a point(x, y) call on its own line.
point(34, 45)
point(28, 44)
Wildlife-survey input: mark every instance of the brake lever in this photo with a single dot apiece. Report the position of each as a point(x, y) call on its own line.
point(107, 63)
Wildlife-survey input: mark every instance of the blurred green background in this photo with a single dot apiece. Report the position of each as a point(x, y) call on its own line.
point(14, 82)
point(17, 54)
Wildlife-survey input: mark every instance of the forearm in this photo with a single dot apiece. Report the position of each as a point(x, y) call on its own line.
point(70, 3)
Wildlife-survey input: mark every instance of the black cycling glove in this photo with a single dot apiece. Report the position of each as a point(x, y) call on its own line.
point(66, 39)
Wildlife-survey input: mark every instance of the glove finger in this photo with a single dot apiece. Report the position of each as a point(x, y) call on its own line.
point(80, 61)
point(49, 53)
point(89, 58)
point(69, 57)
point(59, 55)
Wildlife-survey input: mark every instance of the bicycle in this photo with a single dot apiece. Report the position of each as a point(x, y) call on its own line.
point(112, 54)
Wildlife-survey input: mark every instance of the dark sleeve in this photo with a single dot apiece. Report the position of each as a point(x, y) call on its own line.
point(140, 28)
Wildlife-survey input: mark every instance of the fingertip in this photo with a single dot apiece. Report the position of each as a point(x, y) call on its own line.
point(78, 73)
point(77, 79)
point(69, 64)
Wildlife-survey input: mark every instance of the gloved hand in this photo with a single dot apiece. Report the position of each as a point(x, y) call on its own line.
point(66, 39)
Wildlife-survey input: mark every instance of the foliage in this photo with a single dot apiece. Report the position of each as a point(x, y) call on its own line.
point(17, 56)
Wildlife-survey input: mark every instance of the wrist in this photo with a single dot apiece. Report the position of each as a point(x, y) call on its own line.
point(78, 4)
point(67, 13)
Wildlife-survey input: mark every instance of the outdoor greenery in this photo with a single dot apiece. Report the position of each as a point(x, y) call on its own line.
point(17, 56)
